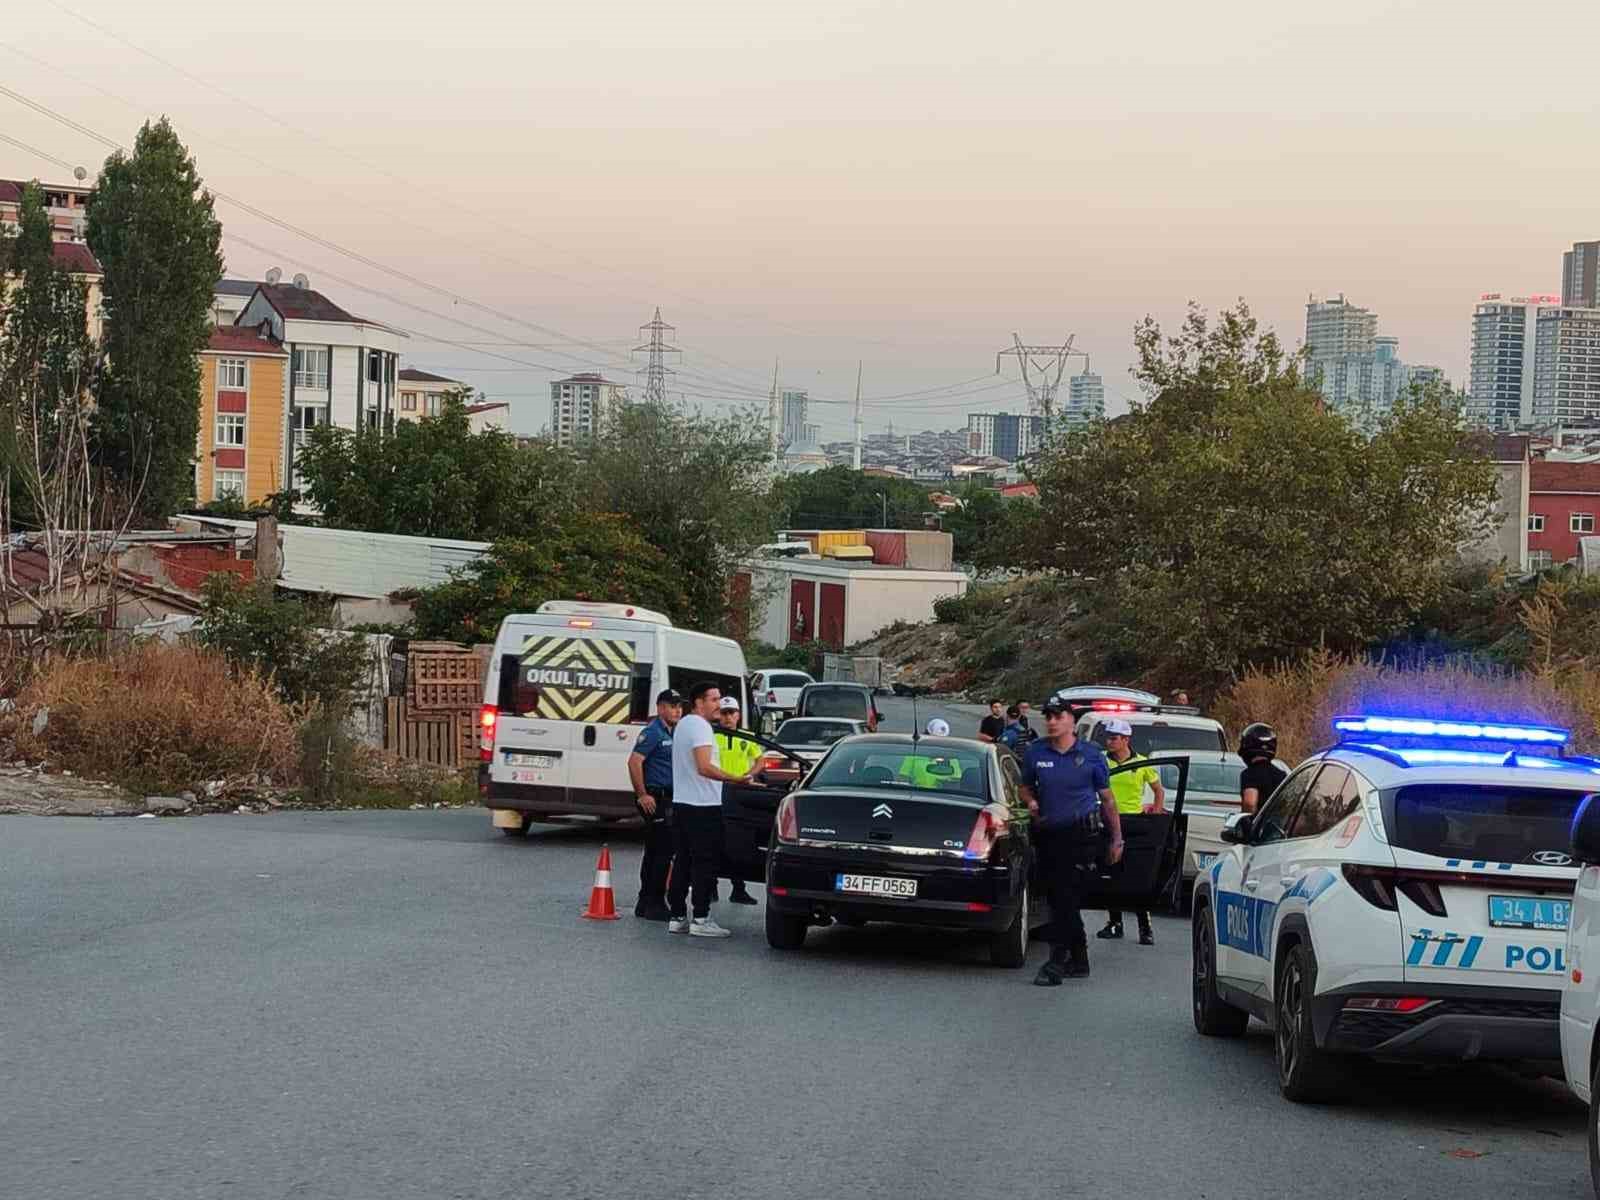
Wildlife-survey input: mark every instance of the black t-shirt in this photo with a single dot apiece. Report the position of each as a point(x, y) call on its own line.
point(992, 727)
point(1263, 775)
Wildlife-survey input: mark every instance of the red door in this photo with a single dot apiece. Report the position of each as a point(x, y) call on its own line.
point(802, 610)
point(833, 615)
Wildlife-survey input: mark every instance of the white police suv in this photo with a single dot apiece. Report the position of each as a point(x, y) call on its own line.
point(1398, 896)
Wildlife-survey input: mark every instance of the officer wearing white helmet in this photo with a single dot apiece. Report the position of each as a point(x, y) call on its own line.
point(938, 727)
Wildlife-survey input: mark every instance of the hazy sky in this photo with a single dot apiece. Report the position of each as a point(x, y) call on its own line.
point(902, 183)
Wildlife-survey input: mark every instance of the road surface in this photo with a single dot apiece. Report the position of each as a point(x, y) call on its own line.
point(406, 1004)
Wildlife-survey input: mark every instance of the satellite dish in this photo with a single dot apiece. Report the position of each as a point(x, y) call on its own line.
point(275, 274)
point(302, 281)
point(79, 174)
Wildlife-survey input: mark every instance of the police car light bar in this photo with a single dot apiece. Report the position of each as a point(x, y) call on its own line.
point(1425, 727)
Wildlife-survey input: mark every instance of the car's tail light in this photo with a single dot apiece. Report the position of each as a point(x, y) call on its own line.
point(1375, 885)
point(788, 821)
point(986, 831)
point(1394, 1004)
point(488, 719)
point(1425, 894)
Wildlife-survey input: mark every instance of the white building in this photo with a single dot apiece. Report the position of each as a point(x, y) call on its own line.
point(803, 599)
point(1335, 328)
point(343, 368)
point(1500, 382)
point(1086, 399)
point(576, 404)
point(229, 298)
point(1007, 436)
point(1566, 385)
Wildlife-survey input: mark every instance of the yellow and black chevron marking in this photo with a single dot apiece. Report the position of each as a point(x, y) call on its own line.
point(594, 654)
point(582, 704)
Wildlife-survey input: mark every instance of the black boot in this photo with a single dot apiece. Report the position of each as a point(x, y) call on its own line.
point(1112, 931)
point(1147, 936)
point(1053, 972)
point(651, 910)
point(741, 894)
point(1078, 965)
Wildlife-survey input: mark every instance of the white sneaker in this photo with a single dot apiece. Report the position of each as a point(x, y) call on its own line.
point(706, 927)
point(678, 925)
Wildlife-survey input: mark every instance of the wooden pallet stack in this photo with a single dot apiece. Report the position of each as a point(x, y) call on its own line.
point(437, 720)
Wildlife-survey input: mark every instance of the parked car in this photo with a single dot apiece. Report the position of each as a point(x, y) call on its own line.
point(1158, 731)
point(1395, 900)
point(777, 692)
point(1580, 977)
point(852, 701)
point(810, 738)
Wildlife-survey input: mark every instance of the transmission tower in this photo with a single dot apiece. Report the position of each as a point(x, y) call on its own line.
point(655, 370)
point(1042, 369)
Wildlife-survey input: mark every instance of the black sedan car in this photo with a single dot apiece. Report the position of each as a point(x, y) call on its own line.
point(933, 831)
point(920, 831)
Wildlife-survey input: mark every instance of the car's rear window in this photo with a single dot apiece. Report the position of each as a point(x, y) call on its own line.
point(852, 766)
point(1486, 823)
point(805, 732)
point(833, 703)
point(1220, 779)
point(779, 679)
point(1153, 739)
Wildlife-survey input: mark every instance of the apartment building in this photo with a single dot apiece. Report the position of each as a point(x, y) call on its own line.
point(576, 404)
point(1566, 385)
point(66, 205)
point(422, 393)
point(1500, 382)
point(344, 369)
point(244, 389)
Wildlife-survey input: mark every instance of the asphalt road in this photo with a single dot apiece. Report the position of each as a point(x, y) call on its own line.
point(406, 1004)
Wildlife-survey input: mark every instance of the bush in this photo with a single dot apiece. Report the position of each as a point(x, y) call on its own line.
point(157, 718)
point(796, 656)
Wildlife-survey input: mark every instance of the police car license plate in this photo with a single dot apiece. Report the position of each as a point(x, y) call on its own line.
point(1203, 860)
point(542, 761)
point(1527, 912)
point(876, 885)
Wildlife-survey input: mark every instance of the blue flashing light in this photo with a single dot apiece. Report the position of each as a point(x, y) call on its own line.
point(1427, 727)
point(1433, 756)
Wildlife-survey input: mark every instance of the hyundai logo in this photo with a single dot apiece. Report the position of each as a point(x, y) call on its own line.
point(1552, 858)
point(883, 810)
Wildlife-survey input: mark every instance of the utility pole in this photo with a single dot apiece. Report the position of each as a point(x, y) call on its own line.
point(655, 370)
point(857, 457)
point(1042, 368)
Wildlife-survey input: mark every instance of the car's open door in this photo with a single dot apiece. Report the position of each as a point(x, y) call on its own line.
point(748, 810)
point(1152, 856)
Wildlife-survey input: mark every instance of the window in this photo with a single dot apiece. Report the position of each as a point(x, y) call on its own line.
point(1273, 819)
point(375, 367)
point(1535, 522)
point(1329, 801)
point(1582, 522)
point(230, 429)
point(1498, 824)
point(311, 367)
point(432, 403)
point(1540, 560)
point(228, 483)
point(408, 402)
point(904, 766)
point(231, 374)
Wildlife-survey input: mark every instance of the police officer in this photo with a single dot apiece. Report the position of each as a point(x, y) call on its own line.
point(1129, 788)
point(650, 770)
point(737, 756)
point(1258, 746)
point(1068, 790)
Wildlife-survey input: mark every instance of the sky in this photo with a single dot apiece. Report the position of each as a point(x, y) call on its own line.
point(896, 185)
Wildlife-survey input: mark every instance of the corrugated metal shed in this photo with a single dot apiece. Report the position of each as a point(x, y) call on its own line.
point(346, 562)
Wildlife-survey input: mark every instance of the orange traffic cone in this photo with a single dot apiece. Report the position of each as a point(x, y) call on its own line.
point(602, 901)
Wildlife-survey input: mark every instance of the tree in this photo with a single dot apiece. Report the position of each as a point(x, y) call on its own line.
point(47, 368)
point(1233, 519)
point(844, 498)
point(577, 556)
point(152, 227)
point(987, 530)
point(435, 478)
point(692, 485)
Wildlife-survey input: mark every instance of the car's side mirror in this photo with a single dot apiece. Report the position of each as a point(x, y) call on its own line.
point(1586, 831)
point(1236, 829)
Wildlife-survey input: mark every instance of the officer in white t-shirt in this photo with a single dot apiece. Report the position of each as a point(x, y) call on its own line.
point(697, 782)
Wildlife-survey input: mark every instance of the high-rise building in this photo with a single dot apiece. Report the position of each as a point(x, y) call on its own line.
point(1566, 383)
point(1086, 399)
point(1005, 435)
point(792, 429)
point(1335, 328)
point(1580, 276)
point(576, 404)
point(1500, 382)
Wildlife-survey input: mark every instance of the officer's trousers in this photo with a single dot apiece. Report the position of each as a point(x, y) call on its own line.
point(1067, 860)
point(658, 849)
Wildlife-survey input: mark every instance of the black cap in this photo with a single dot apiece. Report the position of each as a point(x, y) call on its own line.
point(670, 696)
point(1054, 708)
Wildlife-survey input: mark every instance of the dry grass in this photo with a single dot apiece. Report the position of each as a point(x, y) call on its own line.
point(1300, 701)
point(157, 718)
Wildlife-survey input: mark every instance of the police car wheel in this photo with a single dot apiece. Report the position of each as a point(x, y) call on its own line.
point(1213, 1016)
point(783, 932)
point(1306, 1075)
point(1010, 949)
point(1594, 1130)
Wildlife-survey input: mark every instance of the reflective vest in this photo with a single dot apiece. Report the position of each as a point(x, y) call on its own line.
point(736, 755)
point(1129, 786)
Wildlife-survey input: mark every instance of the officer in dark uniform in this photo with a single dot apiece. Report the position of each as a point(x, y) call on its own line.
point(650, 770)
point(1068, 789)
